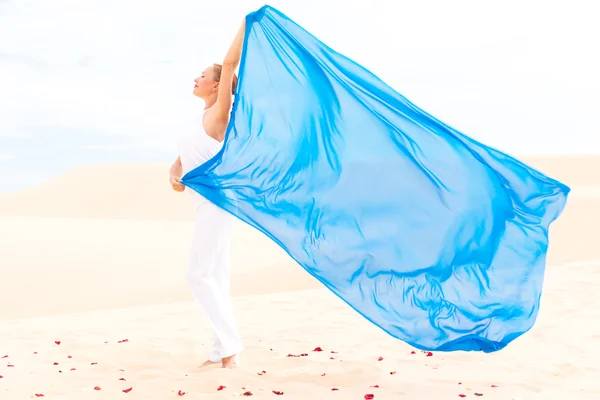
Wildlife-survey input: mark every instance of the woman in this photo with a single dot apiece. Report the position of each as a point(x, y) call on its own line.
point(208, 274)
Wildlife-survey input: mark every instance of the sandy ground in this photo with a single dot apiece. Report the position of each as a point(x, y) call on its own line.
point(88, 270)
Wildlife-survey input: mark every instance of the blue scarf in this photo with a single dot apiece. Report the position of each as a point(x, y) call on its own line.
point(437, 239)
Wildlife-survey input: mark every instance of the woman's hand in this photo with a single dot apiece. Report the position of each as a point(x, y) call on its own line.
point(175, 176)
point(177, 186)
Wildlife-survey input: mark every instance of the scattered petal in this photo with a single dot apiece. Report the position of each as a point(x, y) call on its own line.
point(69, 356)
point(278, 392)
point(10, 365)
point(332, 358)
point(94, 363)
point(380, 359)
point(55, 363)
point(261, 372)
point(122, 379)
point(123, 341)
point(72, 369)
point(97, 388)
point(478, 394)
point(57, 342)
point(413, 352)
point(393, 373)
point(127, 390)
point(462, 395)
point(334, 352)
point(460, 383)
point(494, 385)
point(221, 388)
point(334, 389)
point(39, 395)
point(248, 393)
point(181, 393)
point(428, 354)
point(318, 349)
point(35, 352)
point(1, 377)
point(5, 356)
point(323, 374)
point(369, 396)
point(375, 386)
point(298, 355)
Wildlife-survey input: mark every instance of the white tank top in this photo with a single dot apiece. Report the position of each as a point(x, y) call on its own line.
point(195, 148)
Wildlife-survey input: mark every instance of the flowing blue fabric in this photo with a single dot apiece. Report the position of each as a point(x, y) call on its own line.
point(437, 239)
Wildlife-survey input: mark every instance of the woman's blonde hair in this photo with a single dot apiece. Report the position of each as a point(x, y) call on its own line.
point(217, 68)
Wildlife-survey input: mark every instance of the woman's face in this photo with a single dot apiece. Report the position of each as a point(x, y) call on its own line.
point(205, 83)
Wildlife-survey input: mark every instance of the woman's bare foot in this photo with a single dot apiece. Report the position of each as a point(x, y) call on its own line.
point(228, 362)
point(207, 363)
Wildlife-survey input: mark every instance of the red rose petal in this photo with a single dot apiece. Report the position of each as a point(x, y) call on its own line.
point(318, 349)
point(369, 396)
point(460, 383)
point(413, 352)
point(323, 374)
point(375, 386)
point(122, 379)
point(478, 394)
point(298, 355)
point(69, 356)
point(462, 395)
point(10, 365)
point(277, 392)
point(248, 393)
point(127, 390)
point(380, 359)
point(72, 369)
point(332, 358)
point(123, 341)
point(55, 363)
point(393, 373)
point(221, 388)
point(35, 352)
point(57, 342)
point(39, 395)
point(429, 354)
point(93, 363)
point(494, 386)
point(97, 388)
point(5, 356)
point(334, 352)
point(181, 393)
point(1, 377)
point(261, 372)
point(334, 389)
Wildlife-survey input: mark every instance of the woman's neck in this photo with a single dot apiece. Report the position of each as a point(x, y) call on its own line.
point(210, 101)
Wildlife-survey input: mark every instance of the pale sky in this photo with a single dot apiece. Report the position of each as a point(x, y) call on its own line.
point(110, 80)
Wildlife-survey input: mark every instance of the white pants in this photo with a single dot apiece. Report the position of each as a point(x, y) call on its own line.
point(208, 277)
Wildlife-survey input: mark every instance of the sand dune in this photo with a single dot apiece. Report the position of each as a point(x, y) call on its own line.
point(141, 191)
point(110, 243)
point(103, 191)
